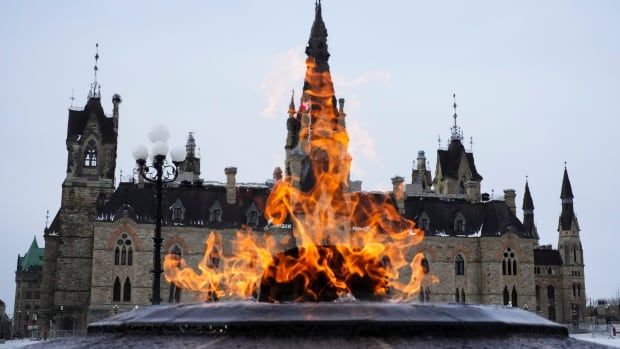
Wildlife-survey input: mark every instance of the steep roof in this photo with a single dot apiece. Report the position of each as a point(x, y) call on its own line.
point(79, 118)
point(32, 258)
point(567, 217)
point(450, 160)
point(197, 201)
point(547, 256)
point(492, 218)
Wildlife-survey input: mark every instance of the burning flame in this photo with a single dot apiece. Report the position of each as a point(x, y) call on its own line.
point(347, 243)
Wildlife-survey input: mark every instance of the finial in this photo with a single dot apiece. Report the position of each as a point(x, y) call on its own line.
point(291, 105)
point(457, 134)
point(47, 219)
point(438, 141)
point(471, 143)
point(454, 106)
point(565, 165)
point(526, 178)
point(72, 98)
point(95, 88)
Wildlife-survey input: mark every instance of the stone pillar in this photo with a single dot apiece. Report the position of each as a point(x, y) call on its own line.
point(472, 190)
point(398, 189)
point(231, 185)
point(509, 197)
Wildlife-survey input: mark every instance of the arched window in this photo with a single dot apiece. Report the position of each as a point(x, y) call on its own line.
point(117, 256)
point(90, 156)
point(124, 246)
point(457, 295)
point(116, 290)
point(252, 215)
point(174, 293)
point(127, 290)
point(506, 296)
point(537, 298)
point(509, 262)
point(579, 290)
point(515, 303)
point(462, 295)
point(459, 265)
point(425, 266)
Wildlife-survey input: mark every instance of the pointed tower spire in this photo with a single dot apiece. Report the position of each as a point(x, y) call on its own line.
point(568, 221)
point(291, 106)
point(317, 43)
point(528, 211)
point(567, 190)
point(528, 203)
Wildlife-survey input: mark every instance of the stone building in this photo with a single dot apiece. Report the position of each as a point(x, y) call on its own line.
point(5, 323)
point(99, 249)
point(28, 276)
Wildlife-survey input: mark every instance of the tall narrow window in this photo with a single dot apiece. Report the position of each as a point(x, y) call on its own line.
point(116, 290)
point(457, 295)
point(130, 256)
point(506, 296)
point(459, 265)
point(462, 295)
point(574, 290)
point(515, 303)
point(503, 267)
point(117, 256)
point(579, 290)
point(575, 254)
point(177, 214)
point(425, 266)
point(90, 156)
point(123, 256)
point(514, 267)
point(127, 291)
point(174, 293)
point(537, 298)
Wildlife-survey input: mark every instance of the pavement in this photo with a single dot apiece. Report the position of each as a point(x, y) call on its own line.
point(599, 338)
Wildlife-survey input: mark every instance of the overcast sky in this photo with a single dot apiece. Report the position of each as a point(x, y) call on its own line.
point(536, 86)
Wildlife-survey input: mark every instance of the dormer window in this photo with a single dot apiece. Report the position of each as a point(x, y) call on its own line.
point(459, 223)
point(215, 212)
point(424, 221)
point(251, 215)
point(90, 157)
point(178, 211)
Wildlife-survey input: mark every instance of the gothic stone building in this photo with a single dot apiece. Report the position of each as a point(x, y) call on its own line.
point(99, 251)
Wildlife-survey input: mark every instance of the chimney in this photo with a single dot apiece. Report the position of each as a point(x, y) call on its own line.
point(277, 174)
point(472, 190)
point(509, 197)
point(341, 113)
point(398, 189)
point(421, 165)
point(231, 185)
point(116, 100)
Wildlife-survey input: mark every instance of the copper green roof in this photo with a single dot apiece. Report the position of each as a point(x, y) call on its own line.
point(32, 258)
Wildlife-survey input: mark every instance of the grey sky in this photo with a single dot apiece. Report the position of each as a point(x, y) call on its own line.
point(537, 84)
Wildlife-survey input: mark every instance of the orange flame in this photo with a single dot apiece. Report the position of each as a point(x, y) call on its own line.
point(347, 243)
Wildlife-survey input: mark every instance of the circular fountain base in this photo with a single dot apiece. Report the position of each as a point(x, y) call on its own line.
point(328, 319)
point(328, 325)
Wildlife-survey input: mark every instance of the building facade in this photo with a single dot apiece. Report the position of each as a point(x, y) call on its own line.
point(28, 277)
point(99, 251)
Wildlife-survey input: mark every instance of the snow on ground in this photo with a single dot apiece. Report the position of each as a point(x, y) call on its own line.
point(598, 338)
point(17, 343)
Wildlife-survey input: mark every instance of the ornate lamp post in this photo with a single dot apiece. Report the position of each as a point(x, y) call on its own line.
point(160, 172)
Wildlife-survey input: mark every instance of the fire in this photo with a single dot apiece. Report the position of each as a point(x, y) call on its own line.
point(348, 243)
